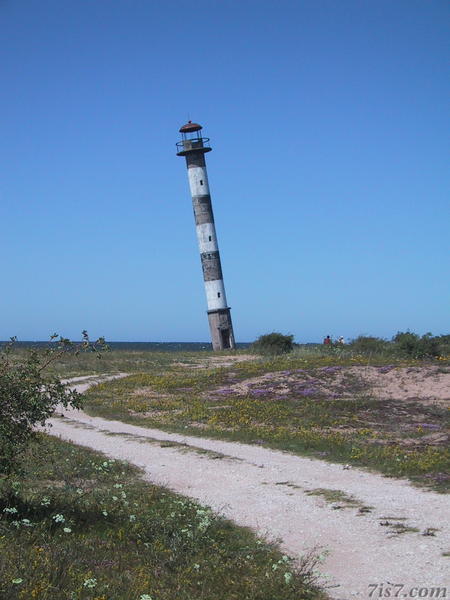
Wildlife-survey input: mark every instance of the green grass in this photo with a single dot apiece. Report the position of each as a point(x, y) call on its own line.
point(335, 496)
point(70, 364)
point(138, 361)
point(79, 526)
point(184, 448)
point(122, 361)
point(316, 415)
point(397, 526)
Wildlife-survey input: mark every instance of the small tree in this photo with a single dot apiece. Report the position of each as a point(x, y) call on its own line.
point(444, 345)
point(273, 343)
point(412, 345)
point(367, 344)
point(28, 396)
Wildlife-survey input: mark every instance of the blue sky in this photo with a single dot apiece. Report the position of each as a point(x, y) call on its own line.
point(328, 123)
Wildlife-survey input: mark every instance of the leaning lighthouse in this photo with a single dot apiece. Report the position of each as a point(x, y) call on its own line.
point(194, 148)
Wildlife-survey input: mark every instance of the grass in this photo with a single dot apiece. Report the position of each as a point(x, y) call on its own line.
point(307, 403)
point(335, 497)
point(397, 526)
point(114, 361)
point(165, 444)
point(149, 361)
point(78, 526)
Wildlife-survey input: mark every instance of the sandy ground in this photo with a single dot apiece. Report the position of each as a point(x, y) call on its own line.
point(429, 385)
point(268, 491)
point(212, 362)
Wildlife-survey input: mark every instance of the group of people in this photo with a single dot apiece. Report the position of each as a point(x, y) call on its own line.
point(328, 341)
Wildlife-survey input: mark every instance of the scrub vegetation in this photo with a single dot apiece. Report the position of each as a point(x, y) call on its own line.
point(273, 344)
point(313, 401)
point(29, 394)
point(77, 526)
point(404, 345)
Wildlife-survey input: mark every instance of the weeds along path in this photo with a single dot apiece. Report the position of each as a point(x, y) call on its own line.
point(372, 531)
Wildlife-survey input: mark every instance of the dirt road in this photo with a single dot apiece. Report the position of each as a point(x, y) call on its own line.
point(375, 533)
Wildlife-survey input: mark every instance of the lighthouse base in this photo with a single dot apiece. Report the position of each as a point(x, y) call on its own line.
point(221, 328)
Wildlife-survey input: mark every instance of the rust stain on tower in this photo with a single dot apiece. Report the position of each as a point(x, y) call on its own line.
point(194, 147)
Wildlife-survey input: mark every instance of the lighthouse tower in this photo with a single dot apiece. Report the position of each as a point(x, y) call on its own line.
point(194, 148)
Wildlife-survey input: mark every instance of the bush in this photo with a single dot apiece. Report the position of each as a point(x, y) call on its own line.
point(366, 344)
point(28, 396)
point(413, 346)
point(444, 345)
point(273, 344)
point(404, 345)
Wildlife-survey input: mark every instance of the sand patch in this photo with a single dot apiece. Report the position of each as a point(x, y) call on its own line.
point(427, 384)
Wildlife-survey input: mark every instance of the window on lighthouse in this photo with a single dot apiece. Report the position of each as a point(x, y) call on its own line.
point(218, 294)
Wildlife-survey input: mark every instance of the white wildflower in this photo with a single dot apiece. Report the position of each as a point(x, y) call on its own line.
point(287, 577)
point(27, 523)
point(59, 518)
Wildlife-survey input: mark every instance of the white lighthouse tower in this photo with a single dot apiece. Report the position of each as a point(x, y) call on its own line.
point(194, 148)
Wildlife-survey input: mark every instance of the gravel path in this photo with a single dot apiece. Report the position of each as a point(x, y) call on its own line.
point(267, 490)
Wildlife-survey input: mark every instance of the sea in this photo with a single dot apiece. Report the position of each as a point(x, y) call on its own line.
point(139, 346)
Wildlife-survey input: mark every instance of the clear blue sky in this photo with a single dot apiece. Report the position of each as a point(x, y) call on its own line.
point(328, 122)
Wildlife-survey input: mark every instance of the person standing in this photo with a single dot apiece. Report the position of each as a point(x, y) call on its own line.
point(327, 341)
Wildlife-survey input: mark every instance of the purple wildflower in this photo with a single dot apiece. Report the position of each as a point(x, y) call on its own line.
point(258, 392)
point(331, 369)
point(307, 391)
point(386, 369)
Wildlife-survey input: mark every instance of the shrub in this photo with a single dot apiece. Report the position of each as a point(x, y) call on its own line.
point(366, 344)
point(412, 345)
point(28, 396)
point(444, 345)
point(273, 343)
